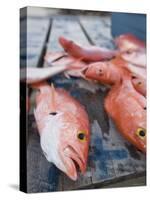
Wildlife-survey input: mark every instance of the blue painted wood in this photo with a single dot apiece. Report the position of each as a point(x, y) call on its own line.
point(129, 23)
point(53, 177)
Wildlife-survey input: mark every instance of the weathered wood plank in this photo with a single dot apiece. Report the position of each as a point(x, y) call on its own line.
point(36, 35)
point(99, 30)
point(68, 27)
point(103, 169)
point(120, 155)
point(42, 176)
point(37, 30)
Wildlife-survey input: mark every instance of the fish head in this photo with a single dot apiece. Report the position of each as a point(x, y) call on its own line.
point(74, 143)
point(129, 42)
point(137, 126)
point(65, 142)
point(140, 138)
point(103, 72)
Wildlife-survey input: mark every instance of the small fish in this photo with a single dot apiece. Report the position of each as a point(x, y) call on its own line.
point(127, 108)
point(110, 72)
point(129, 42)
point(132, 49)
point(89, 54)
point(137, 58)
point(124, 104)
point(63, 125)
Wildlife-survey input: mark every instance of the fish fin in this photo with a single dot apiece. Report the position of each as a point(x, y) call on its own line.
point(66, 74)
point(73, 67)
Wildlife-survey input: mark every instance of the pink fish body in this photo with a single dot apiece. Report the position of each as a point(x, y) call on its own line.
point(127, 108)
point(124, 104)
point(129, 42)
point(64, 129)
point(89, 54)
point(110, 72)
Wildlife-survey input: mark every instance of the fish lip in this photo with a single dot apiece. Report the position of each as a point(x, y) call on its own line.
point(71, 155)
point(74, 152)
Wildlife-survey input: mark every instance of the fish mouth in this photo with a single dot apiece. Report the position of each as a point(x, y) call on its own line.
point(73, 161)
point(85, 70)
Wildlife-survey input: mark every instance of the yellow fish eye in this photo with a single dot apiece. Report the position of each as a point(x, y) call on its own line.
point(141, 132)
point(82, 136)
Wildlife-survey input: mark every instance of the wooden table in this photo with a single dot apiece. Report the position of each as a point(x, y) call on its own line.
point(112, 160)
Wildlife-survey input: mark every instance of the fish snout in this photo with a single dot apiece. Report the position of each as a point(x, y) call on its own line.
point(94, 71)
point(65, 43)
point(73, 160)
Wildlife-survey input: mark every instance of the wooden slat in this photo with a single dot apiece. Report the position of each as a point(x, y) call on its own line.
point(68, 27)
point(36, 35)
point(99, 30)
point(37, 30)
point(120, 155)
point(103, 169)
point(41, 175)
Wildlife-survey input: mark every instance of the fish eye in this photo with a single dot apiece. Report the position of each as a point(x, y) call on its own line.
point(53, 113)
point(141, 132)
point(82, 135)
point(100, 72)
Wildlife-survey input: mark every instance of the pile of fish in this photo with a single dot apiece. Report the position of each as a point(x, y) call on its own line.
point(64, 127)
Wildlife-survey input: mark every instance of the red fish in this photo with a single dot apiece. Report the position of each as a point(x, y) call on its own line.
point(91, 53)
point(124, 104)
point(127, 109)
point(63, 125)
point(110, 72)
point(132, 49)
point(137, 58)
